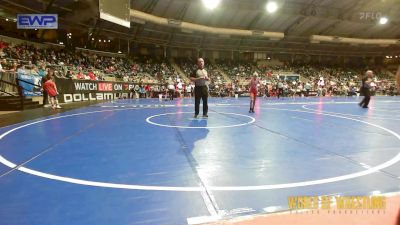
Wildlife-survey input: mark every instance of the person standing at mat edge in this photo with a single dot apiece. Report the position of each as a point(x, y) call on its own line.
point(253, 91)
point(366, 84)
point(51, 89)
point(200, 79)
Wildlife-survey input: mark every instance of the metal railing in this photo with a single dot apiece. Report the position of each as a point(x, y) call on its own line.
point(10, 85)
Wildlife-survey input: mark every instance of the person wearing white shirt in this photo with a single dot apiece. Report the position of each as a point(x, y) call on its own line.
point(189, 90)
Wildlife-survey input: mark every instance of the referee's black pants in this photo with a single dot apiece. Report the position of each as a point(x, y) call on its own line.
point(367, 96)
point(200, 92)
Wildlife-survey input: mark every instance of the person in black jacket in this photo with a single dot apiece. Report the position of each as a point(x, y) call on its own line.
point(365, 88)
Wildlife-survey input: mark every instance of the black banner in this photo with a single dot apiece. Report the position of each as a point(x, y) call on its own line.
point(86, 90)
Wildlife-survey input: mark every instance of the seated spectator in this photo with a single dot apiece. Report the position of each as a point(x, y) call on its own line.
point(92, 76)
point(69, 75)
point(80, 76)
point(42, 71)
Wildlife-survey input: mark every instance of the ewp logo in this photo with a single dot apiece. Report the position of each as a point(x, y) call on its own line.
point(37, 21)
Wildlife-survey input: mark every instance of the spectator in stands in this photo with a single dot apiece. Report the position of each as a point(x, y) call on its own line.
point(201, 79)
point(321, 82)
point(92, 76)
point(80, 75)
point(352, 91)
point(125, 78)
point(4, 65)
point(21, 69)
point(69, 74)
point(42, 71)
point(34, 70)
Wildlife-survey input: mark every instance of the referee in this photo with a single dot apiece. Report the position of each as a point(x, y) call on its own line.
point(200, 79)
point(365, 89)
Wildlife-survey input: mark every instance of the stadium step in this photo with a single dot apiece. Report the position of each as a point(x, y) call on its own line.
point(180, 72)
point(10, 103)
point(224, 75)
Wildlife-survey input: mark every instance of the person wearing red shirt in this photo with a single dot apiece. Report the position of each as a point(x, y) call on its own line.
point(92, 75)
point(51, 89)
point(80, 75)
point(147, 88)
point(253, 91)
